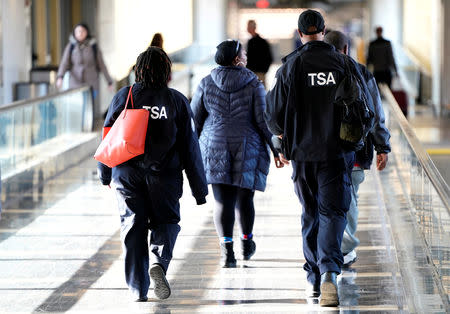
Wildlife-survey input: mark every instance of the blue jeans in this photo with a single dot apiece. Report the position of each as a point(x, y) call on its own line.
point(349, 240)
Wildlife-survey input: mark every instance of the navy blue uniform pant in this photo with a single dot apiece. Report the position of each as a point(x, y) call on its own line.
point(323, 189)
point(147, 202)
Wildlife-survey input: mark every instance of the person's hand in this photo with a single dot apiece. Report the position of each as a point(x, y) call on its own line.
point(111, 88)
point(59, 82)
point(283, 160)
point(382, 160)
point(278, 162)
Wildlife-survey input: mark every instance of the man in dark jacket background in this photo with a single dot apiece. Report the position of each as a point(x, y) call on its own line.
point(381, 57)
point(300, 109)
point(378, 137)
point(259, 56)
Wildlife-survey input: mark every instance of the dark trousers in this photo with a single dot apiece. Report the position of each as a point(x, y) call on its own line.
point(383, 77)
point(231, 199)
point(323, 189)
point(146, 202)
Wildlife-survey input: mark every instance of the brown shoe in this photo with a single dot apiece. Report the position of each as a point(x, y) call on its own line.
point(328, 289)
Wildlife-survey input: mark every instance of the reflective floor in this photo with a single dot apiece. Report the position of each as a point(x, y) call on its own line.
point(60, 252)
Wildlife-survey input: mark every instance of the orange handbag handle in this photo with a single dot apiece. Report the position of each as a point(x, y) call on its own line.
point(130, 95)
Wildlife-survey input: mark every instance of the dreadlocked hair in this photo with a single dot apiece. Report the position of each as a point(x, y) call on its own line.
point(153, 68)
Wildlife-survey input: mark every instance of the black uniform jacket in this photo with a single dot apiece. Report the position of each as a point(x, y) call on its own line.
point(171, 143)
point(300, 105)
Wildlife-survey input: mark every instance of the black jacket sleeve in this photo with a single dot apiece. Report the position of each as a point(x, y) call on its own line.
point(190, 153)
point(258, 112)
point(276, 101)
point(198, 108)
point(114, 110)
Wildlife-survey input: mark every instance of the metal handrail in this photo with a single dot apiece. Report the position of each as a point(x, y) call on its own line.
point(427, 164)
point(25, 102)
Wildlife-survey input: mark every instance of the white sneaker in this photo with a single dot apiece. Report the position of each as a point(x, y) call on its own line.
point(349, 258)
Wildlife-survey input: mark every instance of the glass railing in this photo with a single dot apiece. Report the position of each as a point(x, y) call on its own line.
point(40, 126)
point(427, 190)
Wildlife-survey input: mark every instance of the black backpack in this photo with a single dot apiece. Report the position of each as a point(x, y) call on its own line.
point(357, 110)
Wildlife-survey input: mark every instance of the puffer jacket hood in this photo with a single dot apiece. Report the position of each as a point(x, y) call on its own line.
point(232, 78)
point(88, 41)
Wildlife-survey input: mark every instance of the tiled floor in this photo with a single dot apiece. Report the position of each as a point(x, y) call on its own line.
point(60, 252)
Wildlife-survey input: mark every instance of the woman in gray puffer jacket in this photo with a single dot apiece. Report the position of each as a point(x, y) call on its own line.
point(228, 110)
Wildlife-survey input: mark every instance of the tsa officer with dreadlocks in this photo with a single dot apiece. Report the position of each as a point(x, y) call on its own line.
point(148, 187)
point(300, 109)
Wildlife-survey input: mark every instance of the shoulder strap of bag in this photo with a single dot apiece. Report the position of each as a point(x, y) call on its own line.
point(130, 96)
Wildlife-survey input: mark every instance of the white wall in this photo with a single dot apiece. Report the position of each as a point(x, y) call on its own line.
point(126, 28)
point(16, 45)
point(389, 15)
point(210, 21)
point(445, 69)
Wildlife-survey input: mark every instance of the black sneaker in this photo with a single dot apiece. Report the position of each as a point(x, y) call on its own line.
point(227, 257)
point(162, 287)
point(248, 248)
point(141, 299)
point(312, 290)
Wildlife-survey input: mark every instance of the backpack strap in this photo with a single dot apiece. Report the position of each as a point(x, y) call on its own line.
point(95, 51)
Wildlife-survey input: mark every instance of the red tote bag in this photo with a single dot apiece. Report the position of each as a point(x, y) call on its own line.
point(126, 138)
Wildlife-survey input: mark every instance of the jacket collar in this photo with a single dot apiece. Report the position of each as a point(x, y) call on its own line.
point(309, 45)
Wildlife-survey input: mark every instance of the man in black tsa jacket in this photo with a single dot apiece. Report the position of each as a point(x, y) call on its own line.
point(300, 110)
point(148, 187)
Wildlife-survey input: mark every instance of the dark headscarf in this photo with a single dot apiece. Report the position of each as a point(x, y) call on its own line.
point(227, 51)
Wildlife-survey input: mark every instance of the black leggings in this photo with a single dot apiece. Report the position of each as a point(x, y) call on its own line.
point(228, 199)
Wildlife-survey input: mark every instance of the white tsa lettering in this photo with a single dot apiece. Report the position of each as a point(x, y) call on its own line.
point(331, 79)
point(156, 112)
point(321, 79)
point(163, 113)
point(312, 75)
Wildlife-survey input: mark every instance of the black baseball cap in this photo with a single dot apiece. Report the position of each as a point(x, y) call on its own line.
point(308, 19)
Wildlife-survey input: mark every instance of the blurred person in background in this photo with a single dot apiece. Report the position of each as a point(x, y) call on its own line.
point(228, 108)
point(378, 137)
point(83, 59)
point(259, 56)
point(381, 57)
point(157, 41)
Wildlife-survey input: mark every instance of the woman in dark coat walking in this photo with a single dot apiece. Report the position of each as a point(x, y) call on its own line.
point(228, 110)
point(148, 187)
